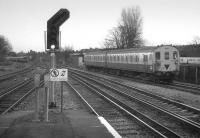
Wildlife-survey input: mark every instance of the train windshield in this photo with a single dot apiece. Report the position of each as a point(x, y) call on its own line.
point(166, 55)
point(175, 55)
point(157, 55)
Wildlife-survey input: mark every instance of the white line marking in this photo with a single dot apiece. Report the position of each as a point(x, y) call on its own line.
point(109, 127)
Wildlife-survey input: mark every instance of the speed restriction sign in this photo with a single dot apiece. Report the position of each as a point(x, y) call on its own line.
point(58, 74)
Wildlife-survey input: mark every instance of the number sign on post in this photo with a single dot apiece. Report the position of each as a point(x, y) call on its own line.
point(58, 75)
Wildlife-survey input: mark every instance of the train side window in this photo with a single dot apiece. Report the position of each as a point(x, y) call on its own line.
point(123, 58)
point(131, 58)
point(166, 55)
point(175, 55)
point(118, 58)
point(114, 58)
point(126, 58)
point(136, 58)
point(157, 55)
point(150, 57)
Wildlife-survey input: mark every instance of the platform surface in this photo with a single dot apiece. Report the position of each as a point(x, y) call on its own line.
point(69, 124)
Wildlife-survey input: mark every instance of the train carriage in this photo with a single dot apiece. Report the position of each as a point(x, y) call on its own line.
point(161, 62)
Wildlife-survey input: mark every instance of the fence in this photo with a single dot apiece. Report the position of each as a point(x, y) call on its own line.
point(189, 73)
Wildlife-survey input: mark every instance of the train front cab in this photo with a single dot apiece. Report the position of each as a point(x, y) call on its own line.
point(166, 65)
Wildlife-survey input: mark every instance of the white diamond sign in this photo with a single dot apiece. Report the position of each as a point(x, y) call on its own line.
point(58, 74)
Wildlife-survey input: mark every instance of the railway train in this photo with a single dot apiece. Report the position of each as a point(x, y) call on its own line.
point(190, 60)
point(162, 63)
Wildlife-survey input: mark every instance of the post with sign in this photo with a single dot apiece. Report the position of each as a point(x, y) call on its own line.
point(53, 41)
point(59, 75)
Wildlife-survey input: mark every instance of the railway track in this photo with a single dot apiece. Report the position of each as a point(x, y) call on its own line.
point(192, 88)
point(13, 74)
point(184, 115)
point(13, 96)
point(121, 118)
point(187, 87)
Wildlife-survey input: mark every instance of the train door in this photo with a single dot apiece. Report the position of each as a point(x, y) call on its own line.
point(106, 59)
point(145, 61)
point(157, 60)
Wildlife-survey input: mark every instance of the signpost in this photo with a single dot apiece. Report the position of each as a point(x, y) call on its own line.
point(59, 75)
point(53, 42)
point(52, 45)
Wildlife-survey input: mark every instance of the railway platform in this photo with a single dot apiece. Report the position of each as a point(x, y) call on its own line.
point(69, 124)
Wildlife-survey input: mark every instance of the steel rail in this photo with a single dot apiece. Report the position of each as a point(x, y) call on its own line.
point(191, 88)
point(12, 89)
point(145, 92)
point(12, 105)
point(187, 121)
point(13, 74)
point(151, 124)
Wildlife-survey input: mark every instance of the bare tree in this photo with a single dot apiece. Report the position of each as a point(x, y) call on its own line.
point(108, 43)
point(196, 40)
point(129, 31)
point(5, 47)
point(131, 27)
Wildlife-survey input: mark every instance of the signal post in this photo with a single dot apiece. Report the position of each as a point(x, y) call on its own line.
point(53, 44)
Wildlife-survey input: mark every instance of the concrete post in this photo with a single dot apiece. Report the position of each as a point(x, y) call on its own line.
point(37, 104)
point(46, 104)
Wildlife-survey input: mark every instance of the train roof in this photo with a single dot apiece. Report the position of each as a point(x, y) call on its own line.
point(129, 50)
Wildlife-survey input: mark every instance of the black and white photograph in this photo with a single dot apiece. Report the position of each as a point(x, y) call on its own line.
point(99, 69)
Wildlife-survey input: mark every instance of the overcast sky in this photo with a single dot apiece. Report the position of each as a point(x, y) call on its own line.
point(23, 22)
